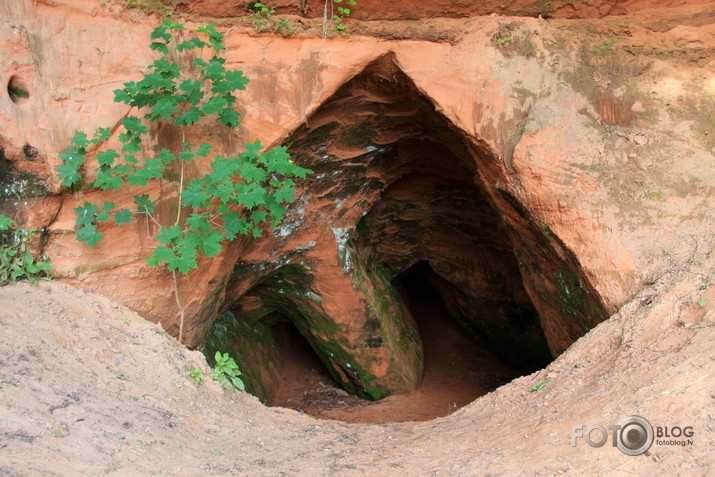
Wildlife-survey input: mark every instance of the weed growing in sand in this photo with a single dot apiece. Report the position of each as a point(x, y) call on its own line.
point(538, 387)
point(702, 302)
point(239, 195)
point(16, 261)
point(196, 374)
point(226, 372)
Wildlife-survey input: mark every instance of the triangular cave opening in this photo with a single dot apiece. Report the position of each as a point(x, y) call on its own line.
point(402, 196)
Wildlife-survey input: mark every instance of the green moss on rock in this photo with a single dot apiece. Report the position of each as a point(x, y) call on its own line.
point(255, 346)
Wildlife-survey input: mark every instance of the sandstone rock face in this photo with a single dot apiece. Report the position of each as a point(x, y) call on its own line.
point(536, 172)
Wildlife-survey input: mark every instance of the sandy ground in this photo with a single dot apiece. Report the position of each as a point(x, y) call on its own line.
point(89, 388)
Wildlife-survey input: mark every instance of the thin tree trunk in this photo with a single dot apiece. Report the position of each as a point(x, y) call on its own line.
point(181, 308)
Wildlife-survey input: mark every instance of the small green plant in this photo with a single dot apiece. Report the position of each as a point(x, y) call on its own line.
point(702, 302)
point(197, 374)
point(503, 41)
point(704, 286)
point(283, 27)
point(667, 252)
point(538, 387)
point(260, 15)
point(226, 372)
point(343, 12)
point(5, 222)
point(215, 451)
point(59, 432)
point(16, 261)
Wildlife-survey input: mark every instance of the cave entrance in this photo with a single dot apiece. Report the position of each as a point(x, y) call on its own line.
point(278, 363)
point(457, 367)
point(408, 224)
point(303, 382)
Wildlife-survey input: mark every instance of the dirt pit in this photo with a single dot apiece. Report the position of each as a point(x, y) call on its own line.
point(87, 387)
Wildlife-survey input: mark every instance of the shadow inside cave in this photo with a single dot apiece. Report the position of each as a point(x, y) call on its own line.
point(457, 368)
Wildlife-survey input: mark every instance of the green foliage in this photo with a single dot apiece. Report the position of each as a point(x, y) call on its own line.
point(226, 372)
point(538, 387)
point(197, 374)
point(342, 13)
point(260, 15)
point(16, 261)
point(702, 302)
point(5, 222)
point(503, 41)
point(283, 27)
point(236, 197)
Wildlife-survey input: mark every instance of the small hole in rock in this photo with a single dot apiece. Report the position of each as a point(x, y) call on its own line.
point(29, 152)
point(17, 90)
